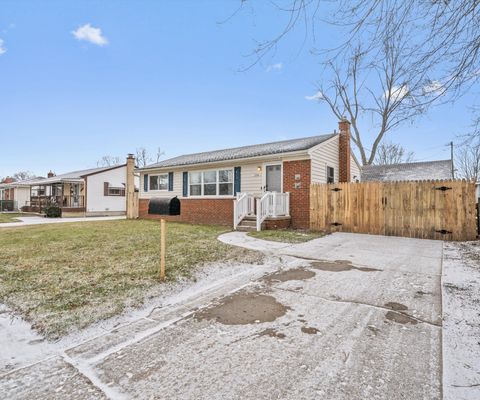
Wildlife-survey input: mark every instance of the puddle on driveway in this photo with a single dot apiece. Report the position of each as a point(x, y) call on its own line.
point(272, 333)
point(309, 330)
point(400, 318)
point(244, 308)
point(297, 274)
point(396, 306)
point(339, 266)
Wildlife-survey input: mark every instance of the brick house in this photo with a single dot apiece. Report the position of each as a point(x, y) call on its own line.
point(260, 186)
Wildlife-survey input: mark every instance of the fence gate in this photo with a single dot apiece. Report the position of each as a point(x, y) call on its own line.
point(418, 209)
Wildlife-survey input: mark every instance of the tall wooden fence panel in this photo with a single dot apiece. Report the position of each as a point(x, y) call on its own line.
point(424, 209)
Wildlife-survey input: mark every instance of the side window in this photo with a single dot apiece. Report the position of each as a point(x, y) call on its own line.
point(330, 175)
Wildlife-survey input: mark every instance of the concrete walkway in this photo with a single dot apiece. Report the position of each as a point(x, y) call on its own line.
point(341, 317)
point(34, 220)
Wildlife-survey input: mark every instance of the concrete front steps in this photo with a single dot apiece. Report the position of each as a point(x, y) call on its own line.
point(249, 223)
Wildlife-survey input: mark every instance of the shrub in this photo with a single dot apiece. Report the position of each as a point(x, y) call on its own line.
point(52, 211)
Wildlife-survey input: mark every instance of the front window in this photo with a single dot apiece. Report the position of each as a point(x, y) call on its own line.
point(211, 183)
point(330, 175)
point(116, 191)
point(159, 182)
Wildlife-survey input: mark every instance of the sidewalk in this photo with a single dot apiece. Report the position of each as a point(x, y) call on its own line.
point(25, 221)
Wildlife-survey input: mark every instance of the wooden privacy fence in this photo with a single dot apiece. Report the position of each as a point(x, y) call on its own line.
point(421, 209)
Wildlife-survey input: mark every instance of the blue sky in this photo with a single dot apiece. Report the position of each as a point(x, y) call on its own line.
point(169, 76)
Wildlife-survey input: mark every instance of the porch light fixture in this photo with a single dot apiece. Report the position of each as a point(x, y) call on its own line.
point(259, 169)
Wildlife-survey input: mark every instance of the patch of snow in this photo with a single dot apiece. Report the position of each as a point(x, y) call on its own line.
point(461, 321)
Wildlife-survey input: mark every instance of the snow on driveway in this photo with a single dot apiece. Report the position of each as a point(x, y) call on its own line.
point(341, 317)
point(461, 329)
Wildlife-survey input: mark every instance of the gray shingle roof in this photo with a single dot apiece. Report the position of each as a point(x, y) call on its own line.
point(236, 153)
point(68, 176)
point(416, 171)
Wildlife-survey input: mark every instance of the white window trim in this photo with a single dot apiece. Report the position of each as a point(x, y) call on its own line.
point(326, 173)
point(157, 190)
point(211, 196)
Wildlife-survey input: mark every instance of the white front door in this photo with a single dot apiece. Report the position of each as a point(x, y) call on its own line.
point(273, 178)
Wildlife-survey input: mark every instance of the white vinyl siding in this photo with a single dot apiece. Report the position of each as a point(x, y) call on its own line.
point(323, 156)
point(96, 201)
point(355, 173)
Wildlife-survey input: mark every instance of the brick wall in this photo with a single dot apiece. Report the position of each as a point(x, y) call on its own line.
point(296, 181)
point(344, 151)
point(196, 211)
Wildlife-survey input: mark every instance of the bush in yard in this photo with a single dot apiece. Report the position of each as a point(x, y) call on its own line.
point(52, 211)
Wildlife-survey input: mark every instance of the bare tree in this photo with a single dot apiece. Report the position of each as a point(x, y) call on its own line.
point(23, 175)
point(109, 161)
point(392, 153)
point(380, 88)
point(160, 153)
point(444, 40)
point(468, 161)
point(436, 43)
point(143, 157)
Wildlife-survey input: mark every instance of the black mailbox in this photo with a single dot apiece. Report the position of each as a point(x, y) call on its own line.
point(161, 206)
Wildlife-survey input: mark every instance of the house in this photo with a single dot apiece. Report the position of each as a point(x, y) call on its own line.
point(415, 171)
point(13, 194)
point(90, 192)
point(258, 186)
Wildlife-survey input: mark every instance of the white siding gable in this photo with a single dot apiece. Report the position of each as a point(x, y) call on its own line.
point(324, 155)
point(96, 201)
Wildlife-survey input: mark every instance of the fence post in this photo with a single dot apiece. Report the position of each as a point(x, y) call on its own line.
point(162, 249)
point(235, 213)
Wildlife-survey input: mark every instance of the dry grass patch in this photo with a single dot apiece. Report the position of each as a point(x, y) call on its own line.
point(66, 276)
point(287, 236)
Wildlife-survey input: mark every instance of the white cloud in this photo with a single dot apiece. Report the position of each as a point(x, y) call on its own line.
point(398, 92)
point(317, 96)
point(90, 34)
point(3, 49)
point(275, 67)
point(434, 87)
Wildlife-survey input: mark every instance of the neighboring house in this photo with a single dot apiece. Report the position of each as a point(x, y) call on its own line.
point(253, 186)
point(13, 194)
point(415, 171)
point(90, 192)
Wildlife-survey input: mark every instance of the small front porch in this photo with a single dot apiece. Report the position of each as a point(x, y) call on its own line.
point(270, 211)
point(69, 196)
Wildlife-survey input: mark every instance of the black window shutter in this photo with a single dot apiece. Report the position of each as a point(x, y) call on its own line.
point(145, 183)
point(185, 184)
point(170, 181)
point(237, 180)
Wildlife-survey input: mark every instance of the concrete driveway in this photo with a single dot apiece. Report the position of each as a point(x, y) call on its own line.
point(342, 317)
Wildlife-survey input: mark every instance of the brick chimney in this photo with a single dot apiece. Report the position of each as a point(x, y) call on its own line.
point(132, 197)
point(50, 174)
point(344, 151)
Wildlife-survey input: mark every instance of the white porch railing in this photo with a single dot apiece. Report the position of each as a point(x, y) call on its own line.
point(272, 204)
point(243, 205)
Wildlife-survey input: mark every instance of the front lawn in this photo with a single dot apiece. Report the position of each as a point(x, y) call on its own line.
point(66, 276)
point(11, 217)
point(287, 236)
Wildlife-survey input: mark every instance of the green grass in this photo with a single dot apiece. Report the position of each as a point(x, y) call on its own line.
point(11, 217)
point(286, 236)
point(65, 276)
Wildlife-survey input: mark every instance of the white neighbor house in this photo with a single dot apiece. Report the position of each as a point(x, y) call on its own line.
point(90, 192)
